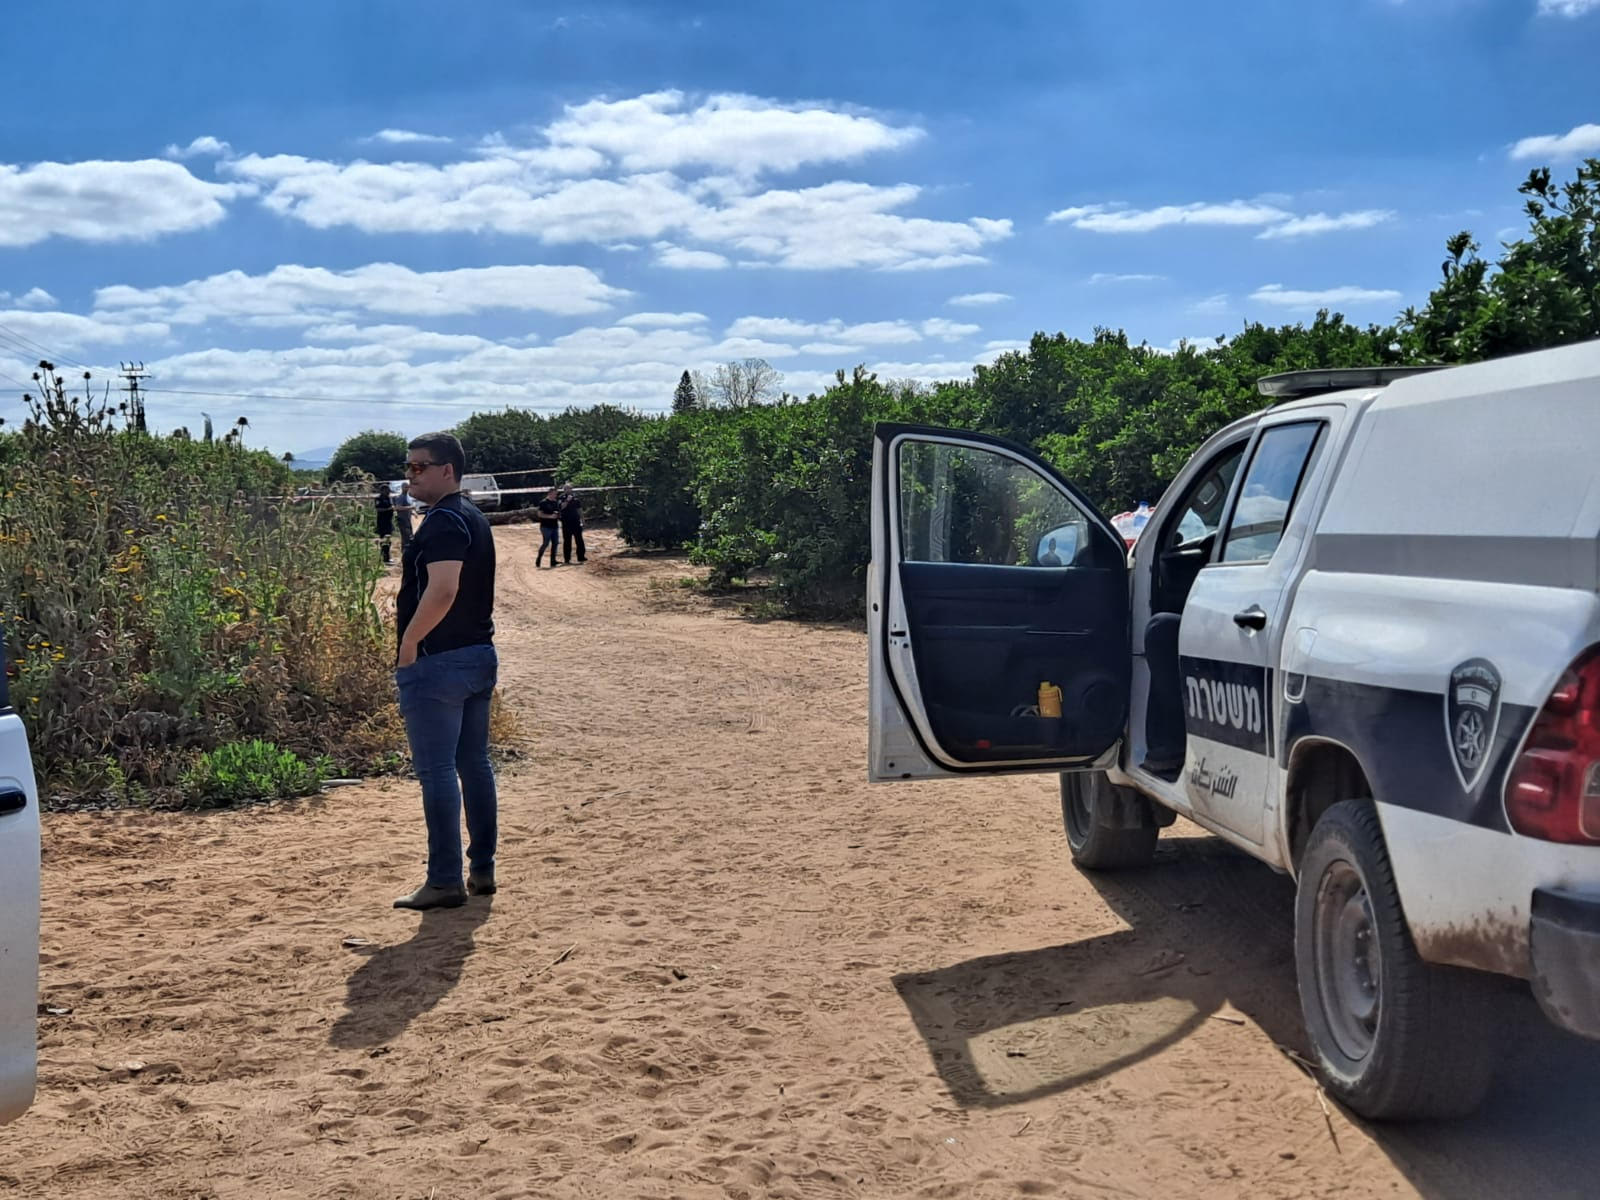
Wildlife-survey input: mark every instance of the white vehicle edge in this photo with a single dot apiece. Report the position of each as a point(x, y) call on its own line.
point(19, 915)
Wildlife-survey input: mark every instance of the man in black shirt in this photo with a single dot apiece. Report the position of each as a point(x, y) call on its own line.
point(549, 512)
point(446, 671)
point(385, 503)
point(571, 525)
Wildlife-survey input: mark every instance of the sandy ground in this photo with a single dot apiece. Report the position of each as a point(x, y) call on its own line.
point(719, 965)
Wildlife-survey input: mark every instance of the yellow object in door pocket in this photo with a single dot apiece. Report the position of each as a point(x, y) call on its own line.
point(1049, 700)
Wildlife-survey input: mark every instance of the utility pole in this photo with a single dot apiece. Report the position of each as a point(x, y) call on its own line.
point(135, 374)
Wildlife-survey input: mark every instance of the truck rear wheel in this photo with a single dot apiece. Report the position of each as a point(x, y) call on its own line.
point(1108, 827)
point(1395, 1037)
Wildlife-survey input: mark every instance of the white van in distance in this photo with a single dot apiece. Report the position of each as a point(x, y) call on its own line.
point(1359, 638)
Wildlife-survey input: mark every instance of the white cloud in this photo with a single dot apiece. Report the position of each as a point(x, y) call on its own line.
point(778, 327)
point(1077, 213)
point(1101, 218)
point(668, 255)
point(687, 178)
point(1577, 142)
point(1112, 277)
point(57, 331)
point(1277, 294)
point(1315, 223)
point(663, 320)
point(950, 331)
point(938, 262)
point(105, 201)
point(493, 195)
point(978, 299)
point(1217, 303)
point(290, 295)
point(870, 333)
point(32, 298)
point(407, 137)
point(1266, 213)
point(207, 146)
point(407, 340)
point(1567, 8)
point(826, 349)
point(742, 134)
point(842, 224)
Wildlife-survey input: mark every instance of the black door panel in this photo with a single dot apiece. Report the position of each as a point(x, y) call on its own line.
point(985, 637)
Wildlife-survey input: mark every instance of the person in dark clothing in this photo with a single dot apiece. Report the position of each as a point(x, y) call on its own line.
point(404, 511)
point(446, 670)
point(385, 505)
point(572, 525)
point(549, 514)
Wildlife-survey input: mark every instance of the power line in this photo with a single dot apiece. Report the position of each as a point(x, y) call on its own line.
point(27, 341)
point(353, 399)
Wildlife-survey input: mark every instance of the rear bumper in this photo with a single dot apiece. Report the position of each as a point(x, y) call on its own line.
point(1565, 950)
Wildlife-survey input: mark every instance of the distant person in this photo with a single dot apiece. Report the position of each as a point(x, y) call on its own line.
point(549, 513)
point(385, 506)
point(446, 670)
point(403, 512)
point(1050, 558)
point(572, 526)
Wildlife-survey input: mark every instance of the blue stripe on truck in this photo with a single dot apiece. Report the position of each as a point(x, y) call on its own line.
point(1401, 738)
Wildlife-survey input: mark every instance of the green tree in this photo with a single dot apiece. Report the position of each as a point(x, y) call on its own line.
point(513, 439)
point(583, 426)
point(378, 453)
point(685, 399)
point(1543, 291)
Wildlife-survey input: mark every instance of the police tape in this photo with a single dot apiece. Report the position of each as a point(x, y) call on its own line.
point(367, 497)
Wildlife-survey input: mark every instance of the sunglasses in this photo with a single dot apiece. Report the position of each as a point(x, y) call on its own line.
point(417, 468)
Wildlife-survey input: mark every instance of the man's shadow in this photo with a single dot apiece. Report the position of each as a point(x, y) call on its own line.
point(397, 984)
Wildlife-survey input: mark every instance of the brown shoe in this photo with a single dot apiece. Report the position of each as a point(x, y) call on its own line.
point(480, 883)
point(427, 896)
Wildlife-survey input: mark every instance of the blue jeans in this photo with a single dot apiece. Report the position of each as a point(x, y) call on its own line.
point(444, 699)
point(549, 538)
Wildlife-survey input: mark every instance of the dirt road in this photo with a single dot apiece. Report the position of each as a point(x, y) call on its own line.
point(720, 965)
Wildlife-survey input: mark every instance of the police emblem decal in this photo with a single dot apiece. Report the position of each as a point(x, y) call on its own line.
point(1471, 716)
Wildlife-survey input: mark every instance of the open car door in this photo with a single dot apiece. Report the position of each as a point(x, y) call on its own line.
point(993, 582)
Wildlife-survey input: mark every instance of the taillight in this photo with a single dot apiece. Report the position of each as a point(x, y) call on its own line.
point(1553, 791)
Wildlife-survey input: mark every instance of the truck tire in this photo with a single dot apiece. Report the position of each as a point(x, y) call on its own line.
point(1396, 1038)
point(1108, 827)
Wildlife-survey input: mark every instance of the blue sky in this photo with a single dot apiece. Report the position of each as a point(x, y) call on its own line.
point(335, 216)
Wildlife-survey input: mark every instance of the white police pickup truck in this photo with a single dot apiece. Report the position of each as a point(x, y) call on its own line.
point(19, 912)
point(1359, 638)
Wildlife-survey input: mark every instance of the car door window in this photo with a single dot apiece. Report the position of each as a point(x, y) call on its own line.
point(1201, 512)
point(1271, 484)
point(964, 504)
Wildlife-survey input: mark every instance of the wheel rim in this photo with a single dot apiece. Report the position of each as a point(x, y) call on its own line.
point(1349, 962)
point(1078, 807)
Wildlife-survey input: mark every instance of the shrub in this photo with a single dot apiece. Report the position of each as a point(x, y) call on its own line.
point(250, 772)
point(158, 603)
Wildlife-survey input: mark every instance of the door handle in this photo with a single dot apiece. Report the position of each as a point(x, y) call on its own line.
point(12, 800)
point(1254, 617)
